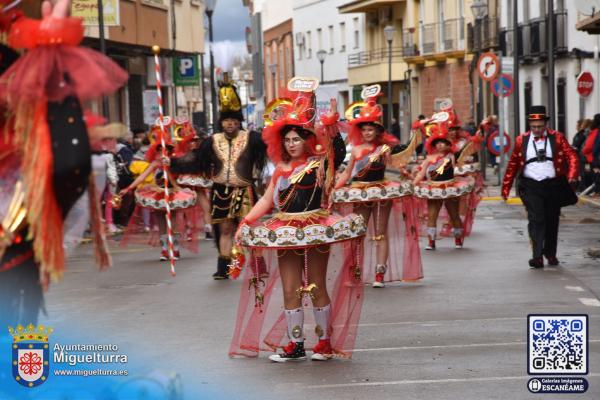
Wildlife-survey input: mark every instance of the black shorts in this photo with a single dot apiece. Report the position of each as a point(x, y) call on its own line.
point(231, 202)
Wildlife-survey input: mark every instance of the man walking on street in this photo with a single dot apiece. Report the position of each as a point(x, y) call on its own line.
point(543, 160)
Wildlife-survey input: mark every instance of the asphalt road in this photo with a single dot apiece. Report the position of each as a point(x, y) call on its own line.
point(460, 333)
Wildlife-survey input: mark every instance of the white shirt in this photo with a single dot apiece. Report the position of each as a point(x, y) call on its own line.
point(539, 170)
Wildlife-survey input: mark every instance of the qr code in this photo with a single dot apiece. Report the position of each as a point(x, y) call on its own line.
point(557, 344)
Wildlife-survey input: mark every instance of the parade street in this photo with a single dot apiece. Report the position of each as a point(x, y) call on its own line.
point(460, 333)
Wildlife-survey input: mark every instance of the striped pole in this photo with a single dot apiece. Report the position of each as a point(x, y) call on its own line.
point(156, 50)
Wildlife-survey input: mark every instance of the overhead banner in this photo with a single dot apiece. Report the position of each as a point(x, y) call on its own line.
point(88, 11)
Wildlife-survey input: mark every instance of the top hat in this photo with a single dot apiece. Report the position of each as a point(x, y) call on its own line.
point(537, 113)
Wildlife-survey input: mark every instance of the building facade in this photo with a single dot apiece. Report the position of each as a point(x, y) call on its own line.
point(574, 53)
point(319, 27)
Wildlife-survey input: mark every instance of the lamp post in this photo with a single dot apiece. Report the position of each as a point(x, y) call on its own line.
point(209, 9)
point(246, 87)
point(479, 9)
point(389, 32)
point(273, 70)
point(321, 54)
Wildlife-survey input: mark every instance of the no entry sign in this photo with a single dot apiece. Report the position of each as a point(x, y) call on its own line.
point(585, 84)
point(503, 86)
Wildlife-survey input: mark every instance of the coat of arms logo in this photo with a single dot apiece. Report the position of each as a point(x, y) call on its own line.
point(30, 354)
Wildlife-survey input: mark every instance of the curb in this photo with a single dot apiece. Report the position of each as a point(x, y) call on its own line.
point(510, 201)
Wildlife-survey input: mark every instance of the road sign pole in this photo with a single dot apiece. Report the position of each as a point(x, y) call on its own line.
point(501, 112)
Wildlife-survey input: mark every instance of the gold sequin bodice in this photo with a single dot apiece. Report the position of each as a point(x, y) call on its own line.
point(228, 152)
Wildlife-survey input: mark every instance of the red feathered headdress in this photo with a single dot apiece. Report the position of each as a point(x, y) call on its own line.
point(367, 112)
point(299, 112)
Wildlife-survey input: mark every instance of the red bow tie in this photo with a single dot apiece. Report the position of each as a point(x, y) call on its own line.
point(540, 138)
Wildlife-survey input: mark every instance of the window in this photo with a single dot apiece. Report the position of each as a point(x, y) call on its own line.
point(527, 103)
point(330, 39)
point(320, 39)
point(342, 36)
point(356, 33)
point(308, 44)
point(561, 109)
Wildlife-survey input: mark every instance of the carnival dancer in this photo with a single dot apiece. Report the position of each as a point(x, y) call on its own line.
point(153, 197)
point(386, 206)
point(44, 150)
point(233, 160)
point(312, 248)
point(546, 165)
point(188, 139)
point(437, 183)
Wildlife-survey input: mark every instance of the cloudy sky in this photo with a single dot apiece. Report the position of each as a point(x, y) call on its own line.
point(230, 20)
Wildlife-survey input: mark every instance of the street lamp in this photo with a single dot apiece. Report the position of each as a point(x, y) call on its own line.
point(321, 54)
point(209, 9)
point(389, 32)
point(273, 70)
point(479, 9)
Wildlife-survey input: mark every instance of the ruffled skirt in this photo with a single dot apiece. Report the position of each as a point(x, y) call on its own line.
point(443, 190)
point(359, 192)
point(302, 230)
point(194, 181)
point(154, 197)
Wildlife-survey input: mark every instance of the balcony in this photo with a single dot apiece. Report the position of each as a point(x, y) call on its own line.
point(443, 39)
point(373, 57)
point(409, 45)
point(532, 38)
point(483, 36)
point(368, 67)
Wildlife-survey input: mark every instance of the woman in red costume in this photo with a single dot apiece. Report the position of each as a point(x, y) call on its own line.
point(437, 183)
point(153, 197)
point(381, 202)
point(306, 244)
point(191, 140)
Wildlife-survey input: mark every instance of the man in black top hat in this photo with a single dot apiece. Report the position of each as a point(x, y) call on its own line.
point(544, 162)
point(233, 159)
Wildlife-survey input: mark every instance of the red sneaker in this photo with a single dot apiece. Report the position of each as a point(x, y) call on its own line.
point(292, 352)
point(458, 242)
point(164, 255)
point(430, 245)
point(176, 254)
point(322, 351)
point(379, 280)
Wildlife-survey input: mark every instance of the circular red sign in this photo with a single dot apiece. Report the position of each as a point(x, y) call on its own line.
point(493, 143)
point(585, 84)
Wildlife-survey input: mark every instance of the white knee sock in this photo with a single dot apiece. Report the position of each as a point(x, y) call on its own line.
point(322, 315)
point(431, 232)
point(295, 324)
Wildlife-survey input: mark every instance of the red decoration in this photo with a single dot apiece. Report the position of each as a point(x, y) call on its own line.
point(30, 363)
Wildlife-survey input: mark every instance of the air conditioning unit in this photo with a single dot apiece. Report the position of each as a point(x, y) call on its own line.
point(372, 19)
point(385, 15)
point(300, 39)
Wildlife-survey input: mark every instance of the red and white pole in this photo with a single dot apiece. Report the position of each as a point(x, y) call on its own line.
point(163, 133)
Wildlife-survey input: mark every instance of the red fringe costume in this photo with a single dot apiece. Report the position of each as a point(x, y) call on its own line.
point(44, 133)
point(302, 222)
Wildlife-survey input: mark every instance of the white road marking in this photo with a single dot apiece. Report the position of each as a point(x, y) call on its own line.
point(426, 323)
point(590, 301)
point(575, 288)
point(451, 346)
point(427, 381)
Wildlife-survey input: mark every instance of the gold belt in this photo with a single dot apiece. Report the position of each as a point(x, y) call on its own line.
point(362, 184)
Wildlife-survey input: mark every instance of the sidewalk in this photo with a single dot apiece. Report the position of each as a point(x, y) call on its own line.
point(491, 192)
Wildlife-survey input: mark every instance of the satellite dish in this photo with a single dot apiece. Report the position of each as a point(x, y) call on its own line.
point(587, 7)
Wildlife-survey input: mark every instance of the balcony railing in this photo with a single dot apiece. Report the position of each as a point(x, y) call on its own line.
point(441, 37)
point(373, 56)
point(409, 45)
point(483, 35)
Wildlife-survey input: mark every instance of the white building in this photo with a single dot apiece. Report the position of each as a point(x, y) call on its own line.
point(573, 54)
point(318, 26)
